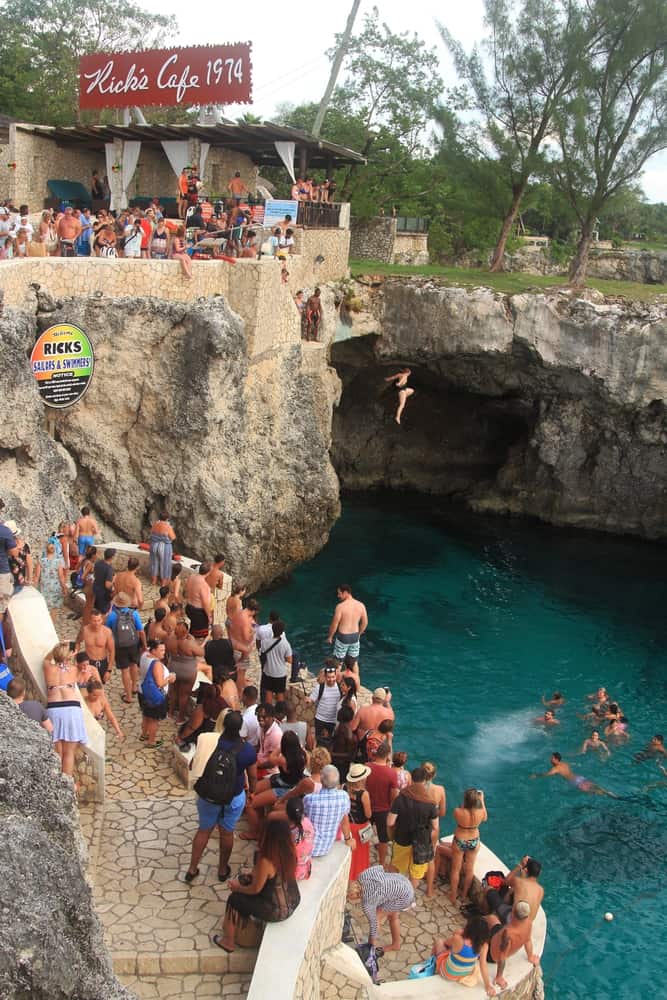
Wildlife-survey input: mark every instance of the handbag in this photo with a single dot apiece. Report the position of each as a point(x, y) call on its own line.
point(264, 656)
point(365, 834)
point(424, 969)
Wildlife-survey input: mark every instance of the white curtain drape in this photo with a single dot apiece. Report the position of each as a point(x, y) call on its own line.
point(203, 156)
point(110, 159)
point(178, 154)
point(131, 150)
point(285, 151)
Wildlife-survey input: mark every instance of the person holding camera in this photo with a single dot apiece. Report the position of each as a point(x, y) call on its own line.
point(465, 843)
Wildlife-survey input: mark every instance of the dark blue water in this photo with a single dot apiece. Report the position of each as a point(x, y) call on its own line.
point(471, 621)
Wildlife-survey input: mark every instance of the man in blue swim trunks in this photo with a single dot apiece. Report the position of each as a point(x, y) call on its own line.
point(348, 624)
point(559, 767)
point(86, 530)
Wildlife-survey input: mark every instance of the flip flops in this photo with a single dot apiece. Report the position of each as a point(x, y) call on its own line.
point(217, 941)
point(223, 876)
point(189, 876)
point(128, 701)
point(154, 746)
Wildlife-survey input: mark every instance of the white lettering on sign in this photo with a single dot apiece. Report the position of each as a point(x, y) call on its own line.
point(169, 77)
point(187, 81)
point(104, 82)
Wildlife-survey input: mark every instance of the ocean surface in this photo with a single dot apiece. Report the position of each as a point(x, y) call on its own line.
point(472, 620)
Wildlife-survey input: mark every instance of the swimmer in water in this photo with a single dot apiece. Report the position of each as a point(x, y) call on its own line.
point(548, 719)
point(617, 730)
point(563, 770)
point(657, 784)
point(654, 748)
point(594, 743)
point(555, 701)
point(400, 380)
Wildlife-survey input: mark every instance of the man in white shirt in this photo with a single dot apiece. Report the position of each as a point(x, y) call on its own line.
point(266, 631)
point(24, 225)
point(275, 655)
point(250, 728)
point(326, 696)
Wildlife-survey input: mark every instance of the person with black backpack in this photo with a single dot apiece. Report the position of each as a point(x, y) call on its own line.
point(220, 766)
point(129, 642)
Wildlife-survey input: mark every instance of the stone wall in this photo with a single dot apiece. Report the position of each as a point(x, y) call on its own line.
point(645, 266)
point(39, 159)
point(373, 239)
point(331, 244)
point(410, 248)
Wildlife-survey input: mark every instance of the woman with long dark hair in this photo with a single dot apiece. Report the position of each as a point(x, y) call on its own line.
point(456, 957)
point(272, 894)
point(291, 766)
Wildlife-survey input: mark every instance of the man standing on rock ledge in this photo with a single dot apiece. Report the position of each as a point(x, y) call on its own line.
point(348, 624)
point(198, 602)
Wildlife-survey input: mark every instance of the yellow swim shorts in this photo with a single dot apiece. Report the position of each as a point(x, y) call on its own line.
point(402, 859)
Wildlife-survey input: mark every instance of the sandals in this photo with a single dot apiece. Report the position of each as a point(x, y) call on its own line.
point(128, 701)
point(190, 876)
point(223, 876)
point(154, 746)
point(217, 941)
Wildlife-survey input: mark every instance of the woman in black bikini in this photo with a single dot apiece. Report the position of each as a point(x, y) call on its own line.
point(400, 380)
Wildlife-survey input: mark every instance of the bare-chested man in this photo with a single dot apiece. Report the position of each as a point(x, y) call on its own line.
point(98, 640)
point(127, 582)
point(198, 602)
point(562, 769)
point(348, 624)
point(241, 633)
point(69, 228)
point(85, 531)
point(520, 884)
point(507, 939)
point(215, 580)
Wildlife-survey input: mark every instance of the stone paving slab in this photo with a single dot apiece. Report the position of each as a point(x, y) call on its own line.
point(188, 987)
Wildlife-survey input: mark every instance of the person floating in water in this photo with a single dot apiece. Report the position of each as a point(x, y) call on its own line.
point(548, 719)
point(654, 748)
point(400, 380)
point(563, 770)
point(555, 701)
point(594, 743)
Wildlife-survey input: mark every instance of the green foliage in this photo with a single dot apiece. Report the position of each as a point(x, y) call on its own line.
point(617, 117)
point(41, 42)
point(508, 283)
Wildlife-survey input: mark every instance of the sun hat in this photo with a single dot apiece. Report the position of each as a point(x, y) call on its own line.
point(121, 600)
point(379, 694)
point(357, 772)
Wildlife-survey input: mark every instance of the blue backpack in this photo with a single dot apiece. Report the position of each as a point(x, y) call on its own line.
point(151, 693)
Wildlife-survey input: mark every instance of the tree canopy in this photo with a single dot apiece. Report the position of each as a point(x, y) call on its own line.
point(41, 42)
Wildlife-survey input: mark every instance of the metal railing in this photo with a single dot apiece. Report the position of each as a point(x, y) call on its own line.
point(319, 215)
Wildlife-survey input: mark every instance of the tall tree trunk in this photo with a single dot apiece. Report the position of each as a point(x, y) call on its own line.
point(579, 263)
point(508, 222)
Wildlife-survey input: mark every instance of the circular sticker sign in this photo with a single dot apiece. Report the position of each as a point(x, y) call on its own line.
point(62, 361)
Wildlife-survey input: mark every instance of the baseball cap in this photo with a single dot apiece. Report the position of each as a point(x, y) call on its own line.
point(379, 694)
point(522, 909)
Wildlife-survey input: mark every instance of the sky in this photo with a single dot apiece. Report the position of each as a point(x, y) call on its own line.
point(289, 44)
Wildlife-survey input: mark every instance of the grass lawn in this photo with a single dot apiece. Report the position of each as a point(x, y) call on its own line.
point(645, 245)
point(507, 283)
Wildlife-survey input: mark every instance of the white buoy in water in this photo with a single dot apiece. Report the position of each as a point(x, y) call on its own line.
point(609, 916)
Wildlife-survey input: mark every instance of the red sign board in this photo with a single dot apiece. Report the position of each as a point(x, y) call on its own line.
point(216, 74)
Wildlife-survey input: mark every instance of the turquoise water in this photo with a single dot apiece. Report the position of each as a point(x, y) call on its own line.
point(471, 620)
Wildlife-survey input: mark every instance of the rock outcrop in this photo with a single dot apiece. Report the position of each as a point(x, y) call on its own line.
point(540, 405)
point(178, 416)
point(52, 943)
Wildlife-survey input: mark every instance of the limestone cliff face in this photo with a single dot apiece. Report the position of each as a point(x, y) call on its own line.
point(178, 416)
point(537, 405)
point(52, 944)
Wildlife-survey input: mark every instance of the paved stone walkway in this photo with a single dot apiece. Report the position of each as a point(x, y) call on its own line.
point(157, 927)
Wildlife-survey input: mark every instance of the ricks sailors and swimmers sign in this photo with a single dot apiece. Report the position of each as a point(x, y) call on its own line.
point(62, 361)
